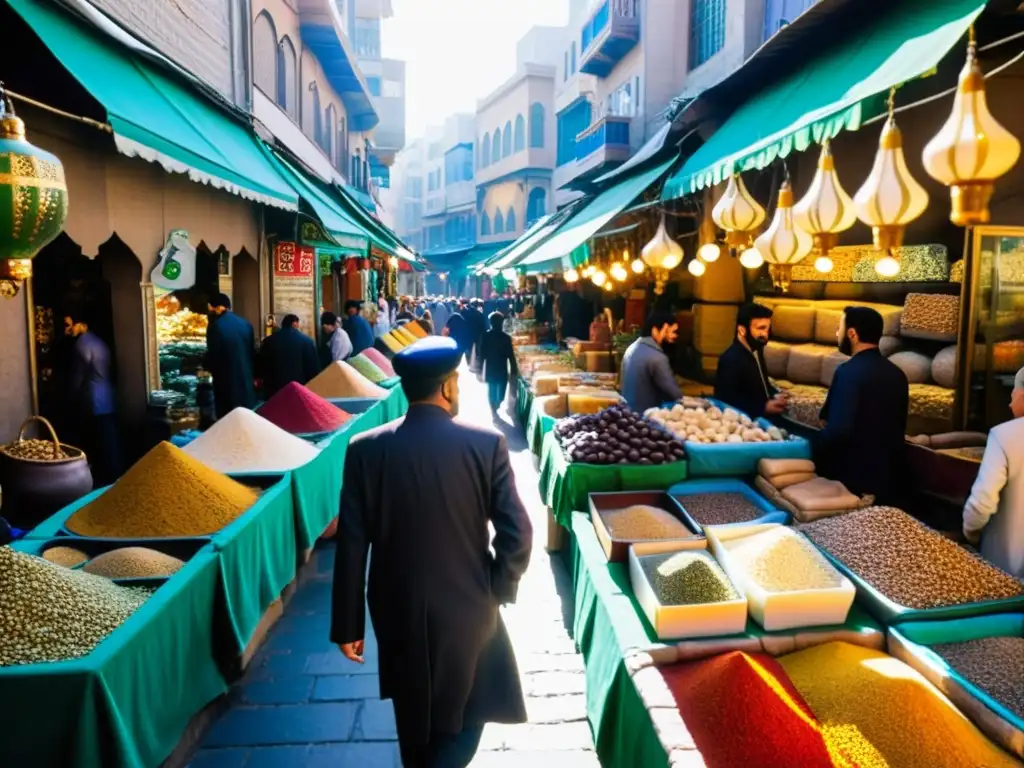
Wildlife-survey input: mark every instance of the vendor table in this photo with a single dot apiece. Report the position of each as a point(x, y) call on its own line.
point(538, 424)
point(127, 703)
point(524, 401)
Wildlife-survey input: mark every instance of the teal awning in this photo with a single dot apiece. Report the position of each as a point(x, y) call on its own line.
point(603, 209)
point(507, 256)
point(481, 254)
point(380, 233)
point(154, 115)
point(833, 92)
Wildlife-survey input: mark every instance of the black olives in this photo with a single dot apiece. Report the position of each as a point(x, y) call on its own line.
point(616, 435)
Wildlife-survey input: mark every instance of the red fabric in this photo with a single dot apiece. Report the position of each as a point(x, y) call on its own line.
point(378, 358)
point(297, 410)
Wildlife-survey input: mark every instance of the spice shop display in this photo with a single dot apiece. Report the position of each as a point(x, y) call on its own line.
point(167, 493)
point(617, 435)
point(903, 566)
point(645, 521)
point(379, 359)
point(712, 424)
point(720, 508)
point(340, 379)
point(68, 557)
point(245, 442)
point(786, 581)
point(995, 665)
point(297, 410)
point(134, 563)
point(642, 522)
point(181, 343)
point(52, 613)
point(368, 369)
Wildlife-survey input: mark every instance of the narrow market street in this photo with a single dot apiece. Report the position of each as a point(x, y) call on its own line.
point(302, 705)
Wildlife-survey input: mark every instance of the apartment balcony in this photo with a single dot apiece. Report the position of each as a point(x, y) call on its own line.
point(612, 31)
point(578, 86)
point(604, 142)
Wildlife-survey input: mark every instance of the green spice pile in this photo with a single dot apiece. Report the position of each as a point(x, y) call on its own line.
point(687, 578)
point(909, 563)
point(994, 664)
point(51, 613)
point(133, 563)
point(781, 560)
point(642, 522)
point(720, 508)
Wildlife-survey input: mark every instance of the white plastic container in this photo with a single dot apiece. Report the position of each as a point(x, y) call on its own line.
point(781, 610)
point(684, 621)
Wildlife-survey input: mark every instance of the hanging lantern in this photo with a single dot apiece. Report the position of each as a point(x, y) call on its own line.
point(598, 277)
point(696, 268)
point(709, 252)
point(588, 270)
point(738, 214)
point(826, 209)
point(33, 200)
point(783, 244)
point(890, 198)
point(571, 276)
point(637, 266)
point(618, 271)
point(662, 252)
point(751, 258)
point(971, 150)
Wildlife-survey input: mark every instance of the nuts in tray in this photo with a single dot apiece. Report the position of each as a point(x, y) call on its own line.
point(994, 664)
point(642, 522)
point(720, 508)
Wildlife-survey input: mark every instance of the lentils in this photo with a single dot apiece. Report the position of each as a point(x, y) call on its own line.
point(688, 578)
point(909, 563)
point(133, 563)
point(720, 508)
point(68, 557)
point(780, 560)
point(35, 450)
point(994, 664)
point(642, 522)
point(51, 613)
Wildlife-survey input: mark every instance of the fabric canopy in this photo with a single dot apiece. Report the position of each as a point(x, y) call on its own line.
point(653, 146)
point(836, 91)
point(507, 256)
point(154, 115)
point(603, 209)
point(380, 234)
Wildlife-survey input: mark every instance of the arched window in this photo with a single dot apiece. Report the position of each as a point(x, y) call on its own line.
point(537, 205)
point(506, 140)
point(510, 220)
point(499, 223)
point(264, 54)
point(485, 151)
point(520, 143)
point(287, 80)
point(329, 128)
point(485, 224)
point(537, 125)
point(317, 115)
point(496, 146)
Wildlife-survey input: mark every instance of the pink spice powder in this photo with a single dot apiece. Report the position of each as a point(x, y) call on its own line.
point(378, 358)
point(297, 410)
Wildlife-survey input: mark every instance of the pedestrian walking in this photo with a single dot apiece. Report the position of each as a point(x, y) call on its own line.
point(435, 585)
point(498, 360)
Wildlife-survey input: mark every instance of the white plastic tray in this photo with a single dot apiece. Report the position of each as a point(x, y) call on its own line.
point(683, 621)
point(781, 610)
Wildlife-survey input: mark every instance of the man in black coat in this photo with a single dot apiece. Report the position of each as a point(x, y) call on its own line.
point(742, 377)
point(434, 586)
point(478, 325)
point(230, 349)
point(459, 329)
point(286, 356)
point(863, 441)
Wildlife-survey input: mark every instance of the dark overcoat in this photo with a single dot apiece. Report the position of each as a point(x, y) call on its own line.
point(230, 348)
point(286, 356)
point(434, 586)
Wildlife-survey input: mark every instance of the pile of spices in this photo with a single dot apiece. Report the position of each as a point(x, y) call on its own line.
point(51, 613)
point(781, 560)
point(909, 563)
point(340, 379)
point(69, 557)
point(642, 522)
point(742, 710)
point(993, 664)
point(687, 578)
point(299, 411)
point(379, 359)
point(720, 508)
point(166, 494)
point(368, 369)
point(244, 441)
point(133, 563)
point(890, 715)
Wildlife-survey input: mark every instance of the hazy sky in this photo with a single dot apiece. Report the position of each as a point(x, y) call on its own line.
point(457, 51)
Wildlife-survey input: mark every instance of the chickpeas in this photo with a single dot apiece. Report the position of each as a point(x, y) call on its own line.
point(35, 450)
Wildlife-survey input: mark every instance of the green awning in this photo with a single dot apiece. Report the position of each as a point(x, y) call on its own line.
point(603, 209)
point(380, 234)
point(507, 256)
point(329, 209)
point(154, 115)
point(834, 92)
point(481, 254)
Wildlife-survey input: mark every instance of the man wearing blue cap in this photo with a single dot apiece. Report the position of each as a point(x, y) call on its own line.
point(446, 661)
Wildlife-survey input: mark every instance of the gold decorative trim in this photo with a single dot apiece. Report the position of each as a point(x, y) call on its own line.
point(33, 361)
point(151, 344)
point(10, 180)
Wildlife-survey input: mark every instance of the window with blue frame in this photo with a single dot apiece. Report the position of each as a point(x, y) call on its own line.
point(499, 223)
point(571, 122)
point(458, 164)
point(537, 125)
point(373, 83)
point(707, 30)
point(520, 136)
point(510, 220)
point(435, 236)
point(506, 140)
point(485, 225)
point(572, 58)
point(367, 38)
point(496, 146)
point(779, 13)
point(485, 151)
point(537, 205)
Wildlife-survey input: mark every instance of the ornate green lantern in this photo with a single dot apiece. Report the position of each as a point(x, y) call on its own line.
point(33, 200)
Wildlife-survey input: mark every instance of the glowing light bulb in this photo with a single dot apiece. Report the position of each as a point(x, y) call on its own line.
point(571, 276)
point(696, 268)
point(709, 252)
point(598, 278)
point(394, 262)
point(588, 270)
point(823, 264)
point(618, 271)
point(887, 266)
point(508, 274)
point(751, 258)
point(608, 285)
point(637, 266)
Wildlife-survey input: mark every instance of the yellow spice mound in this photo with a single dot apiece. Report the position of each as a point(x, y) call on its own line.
point(167, 493)
point(883, 714)
point(69, 557)
point(393, 342)
point(133, 563)
point(406, 335)
point(340, 379)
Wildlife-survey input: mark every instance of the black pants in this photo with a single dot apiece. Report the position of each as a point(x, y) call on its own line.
point(445, 750)
point(496, 390)
point(103, 446)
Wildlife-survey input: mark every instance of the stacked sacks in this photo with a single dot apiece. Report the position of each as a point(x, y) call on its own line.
point(793, 485)
point(931, 316)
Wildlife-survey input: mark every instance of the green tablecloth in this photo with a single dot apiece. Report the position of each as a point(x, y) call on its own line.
point(538, 424)
point(127, 703)
point(524, 401)
point(564, 486)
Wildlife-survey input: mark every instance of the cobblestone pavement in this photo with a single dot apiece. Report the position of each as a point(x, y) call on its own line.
point(303, 705)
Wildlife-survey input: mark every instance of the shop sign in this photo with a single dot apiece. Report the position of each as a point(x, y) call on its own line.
point(294, 285)
point(176, 268)
point(291, 260)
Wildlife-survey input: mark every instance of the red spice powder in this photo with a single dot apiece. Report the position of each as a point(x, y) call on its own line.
point(297, 410)
point(742, 710)
point(379, 359)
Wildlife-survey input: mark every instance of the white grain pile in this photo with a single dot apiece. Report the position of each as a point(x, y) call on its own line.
point(244, 441)
point(781, 560)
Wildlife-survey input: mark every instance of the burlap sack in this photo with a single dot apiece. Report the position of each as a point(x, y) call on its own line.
point(771, 468)
point(820, 495)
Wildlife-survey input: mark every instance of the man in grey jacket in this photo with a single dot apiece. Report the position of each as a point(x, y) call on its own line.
point(647, 379)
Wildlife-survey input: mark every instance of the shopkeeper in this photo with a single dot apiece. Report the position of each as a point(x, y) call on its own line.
point(994, 512)
point(647, 378)
point(357, 327)
point(286, 356)
point(742, 377)
point(230, 349)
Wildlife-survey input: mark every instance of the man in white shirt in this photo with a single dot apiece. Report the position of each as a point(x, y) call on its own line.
point(994, 513)
point(338, 342)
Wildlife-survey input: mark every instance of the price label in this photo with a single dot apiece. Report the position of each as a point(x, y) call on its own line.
point(285, 260)
point(306, 258)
